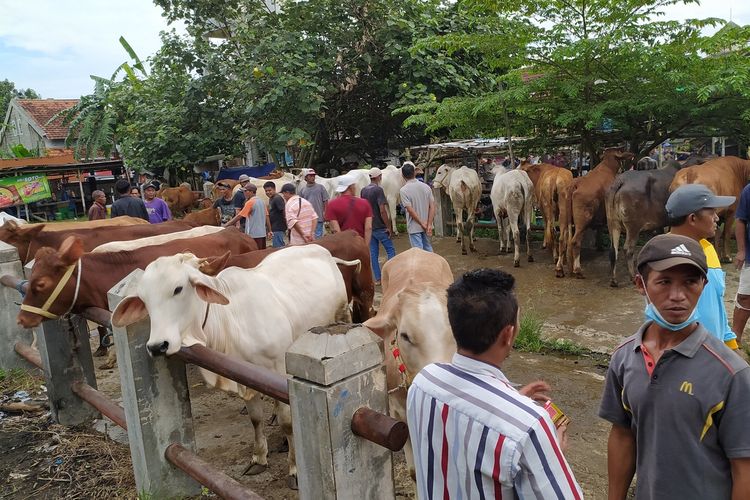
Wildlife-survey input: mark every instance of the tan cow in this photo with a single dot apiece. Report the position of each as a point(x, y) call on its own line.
point(123, 220)
point(550, 185)
point(464, 189)
point(725, 176)
point(585, 207)
point(413, 318)
point(207, 217)
point(179, 199)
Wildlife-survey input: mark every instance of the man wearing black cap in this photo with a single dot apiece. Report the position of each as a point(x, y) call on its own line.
point(675, 394)
point(157, 209)
point(691, 212)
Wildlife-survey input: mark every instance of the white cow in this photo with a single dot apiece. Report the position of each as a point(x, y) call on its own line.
point(251, 314)
point(464, 189)
point(363, 179)
point(413, 318)
point(124, 246)
point(512, 197)
point(392, 183)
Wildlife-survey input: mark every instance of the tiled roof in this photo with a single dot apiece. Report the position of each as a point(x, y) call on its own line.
point(41, 110)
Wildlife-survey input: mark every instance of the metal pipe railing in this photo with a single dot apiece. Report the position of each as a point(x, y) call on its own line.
point(255, 377)
point(29, 354)
point(380, 429)
point(207, 475)
point(101, 402)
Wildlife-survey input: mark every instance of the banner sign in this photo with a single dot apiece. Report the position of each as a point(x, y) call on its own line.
point(23, 189)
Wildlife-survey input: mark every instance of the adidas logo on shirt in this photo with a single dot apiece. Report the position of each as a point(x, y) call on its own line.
point(680, 250)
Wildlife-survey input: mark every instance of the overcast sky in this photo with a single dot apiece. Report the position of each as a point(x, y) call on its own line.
point(53, 46)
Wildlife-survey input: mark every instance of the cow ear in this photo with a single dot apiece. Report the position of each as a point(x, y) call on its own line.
point(383, 326)
point(211, 266)
point(11, 226)
point(130, 310)
point(70, 250)
point(206, 291)
point(29, 233)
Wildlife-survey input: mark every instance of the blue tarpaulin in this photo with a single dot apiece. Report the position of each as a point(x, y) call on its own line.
point(235, 172)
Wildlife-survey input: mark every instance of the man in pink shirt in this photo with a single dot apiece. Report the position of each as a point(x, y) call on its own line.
point(301, 218)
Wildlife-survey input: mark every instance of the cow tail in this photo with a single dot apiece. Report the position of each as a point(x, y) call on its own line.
point(609, 200)
point(342, 262)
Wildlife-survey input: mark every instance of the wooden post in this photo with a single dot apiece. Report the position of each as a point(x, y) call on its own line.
point(10, 331)
point(157, 405)
point(66, 355)
point(336, 370)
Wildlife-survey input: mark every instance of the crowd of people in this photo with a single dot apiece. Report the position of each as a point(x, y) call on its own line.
point(129, 202)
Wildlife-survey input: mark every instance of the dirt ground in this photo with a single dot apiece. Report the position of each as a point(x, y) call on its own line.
point(586, 311)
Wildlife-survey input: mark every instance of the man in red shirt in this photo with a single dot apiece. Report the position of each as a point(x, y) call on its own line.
point(348, 211)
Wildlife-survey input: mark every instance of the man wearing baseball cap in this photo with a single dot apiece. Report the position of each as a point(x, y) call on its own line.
point(317, 195)
point(382, 226)
point(238, 199)
point(676, 395)
point(691, 212)
point(347, 211)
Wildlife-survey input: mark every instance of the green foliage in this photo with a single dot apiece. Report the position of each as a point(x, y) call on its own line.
point(17, 379)
point(8, 91)
point(570, 67)
point(530, 338)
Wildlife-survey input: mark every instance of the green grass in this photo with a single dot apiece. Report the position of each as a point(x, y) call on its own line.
point(530, 338)
point(17, 379)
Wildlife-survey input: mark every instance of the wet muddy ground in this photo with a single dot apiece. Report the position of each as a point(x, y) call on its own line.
point(586, 311)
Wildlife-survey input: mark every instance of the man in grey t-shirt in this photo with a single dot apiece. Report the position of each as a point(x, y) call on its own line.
point(676, 396)
point(317, 195)
point(419, 203)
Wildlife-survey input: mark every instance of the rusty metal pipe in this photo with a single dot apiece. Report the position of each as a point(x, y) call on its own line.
point(207, 475)
point(255, 377)
point(101, 402)
point(379, 428)
point(98, 315)
point(29, 354)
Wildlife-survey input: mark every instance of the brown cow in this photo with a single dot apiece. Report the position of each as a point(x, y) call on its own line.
point(206, 217)
point(345, 245)
point(28, 240)
point(550, 185)
point(99, 272)
point(635, 203)
point(179, 199)
point(725, 176)
point(123, 220)
point(585, 207)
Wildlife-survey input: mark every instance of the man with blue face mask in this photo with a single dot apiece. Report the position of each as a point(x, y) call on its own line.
point(691, 212)
point(676, 395)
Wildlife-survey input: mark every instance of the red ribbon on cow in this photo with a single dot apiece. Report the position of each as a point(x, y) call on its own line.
point(396, 352)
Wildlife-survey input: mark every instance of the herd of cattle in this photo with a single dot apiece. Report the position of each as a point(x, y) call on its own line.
point(212, 286)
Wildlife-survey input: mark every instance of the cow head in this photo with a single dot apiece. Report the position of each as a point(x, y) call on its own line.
point(418, 319)
point(20, 237)
point(175, 294)
point(49, 270)
point(442, 177)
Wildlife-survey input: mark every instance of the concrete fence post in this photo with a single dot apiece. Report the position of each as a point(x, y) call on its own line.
point(157, 405)
point(442, 213)
point(10, 331)
point(336, 370)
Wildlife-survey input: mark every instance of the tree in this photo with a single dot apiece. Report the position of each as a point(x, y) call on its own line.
point(596, 71)
point(8, 91)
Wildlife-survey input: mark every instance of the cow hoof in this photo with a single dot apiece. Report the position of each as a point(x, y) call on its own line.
point(464, 252)
point(108, 365)
point(613, 284)
point(254, 469)
point(531, 258)
point(283, 446)
point(291, 482)
point(100, 352)
point(578, 275)
point(473, 249)
point(559, 273)
point(516, 263)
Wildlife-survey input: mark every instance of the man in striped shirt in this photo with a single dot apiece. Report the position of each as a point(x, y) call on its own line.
point(474, 435)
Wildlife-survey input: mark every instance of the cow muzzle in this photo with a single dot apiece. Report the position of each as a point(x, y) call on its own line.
point(158, 349)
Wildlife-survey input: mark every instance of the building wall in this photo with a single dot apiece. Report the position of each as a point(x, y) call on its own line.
point(20, 131)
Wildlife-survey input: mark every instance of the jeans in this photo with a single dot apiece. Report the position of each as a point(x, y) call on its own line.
point(319, 229)
point(420, 240)
point(379, 236)
point(278, 239)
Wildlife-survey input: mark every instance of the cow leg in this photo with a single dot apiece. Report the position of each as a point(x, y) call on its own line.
point(392, 213)
point(614, 235)
point(574, 252)
point(259, 460)
point(631, 239)
point(499, 222)
point(285, 420)
point(513, 220)
point(471, 222)
point(562, 251)
point(726, 237)
point(461, 231)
